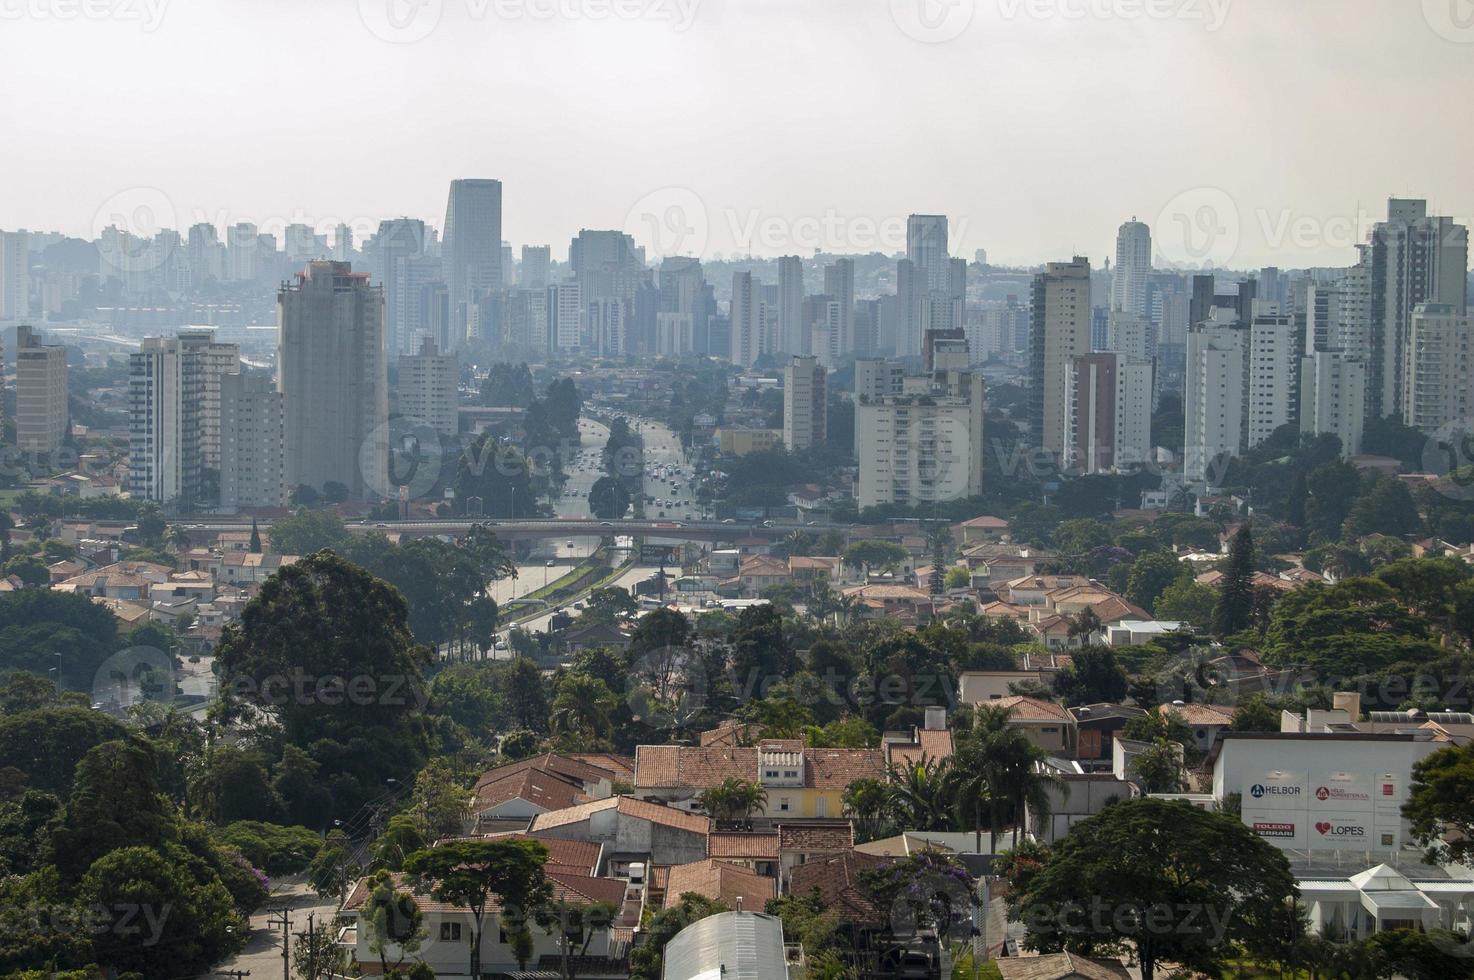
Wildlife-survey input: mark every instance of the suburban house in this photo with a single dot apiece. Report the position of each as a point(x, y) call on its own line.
point(1048, 725)
point(1207, 721)
point(1098, 726)
point(632, 831)
point(525, 789)
point(981, 686)
point(801, 782)
point(733, 885)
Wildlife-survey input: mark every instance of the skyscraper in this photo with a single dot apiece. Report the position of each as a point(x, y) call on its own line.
point(1273, 358)
point(1439, 371)
point(750, 321)
point(1109, 413)
point(923, 446)
point(926, 247)
point(805, 403)
point(1133, 268)
point(332, 375)
point(252, 449)
point(1214, 395)
point(473, 248)
point(1059, 329)
point(565, 316)
point(175, 418)
point(15, 276)
point(537, 261)
point(40, 393)
point(400, 269)
point(1414, 259)
point(791, 326)
point(427, 388)
point(839, 286)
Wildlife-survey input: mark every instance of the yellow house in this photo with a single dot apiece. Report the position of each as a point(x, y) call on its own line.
point(801, 782)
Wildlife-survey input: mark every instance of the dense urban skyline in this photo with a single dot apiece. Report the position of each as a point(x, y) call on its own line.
point(1145, 97)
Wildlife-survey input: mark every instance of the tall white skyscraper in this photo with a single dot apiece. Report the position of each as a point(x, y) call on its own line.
point(1133, 268)
point(252, 471)
point(805, 405)
point(1273, 358)
point(566, 316)
point(472, 251)
point(15, 275)
point(751, 321)
point(1415, 258)
point(839, 286)
point(1214, 391)
point(923, 446)
point(1438, 369)
point(427, 388)
point(40, 393)
point(175, 418)
point(1109, 413)
point(1333, 397)
point(332, 374)
point(1059, 329)
point(790, 312)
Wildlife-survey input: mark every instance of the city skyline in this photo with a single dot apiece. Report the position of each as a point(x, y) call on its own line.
point(1008, 179)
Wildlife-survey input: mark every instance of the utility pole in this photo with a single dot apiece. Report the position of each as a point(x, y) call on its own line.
point(281, 917)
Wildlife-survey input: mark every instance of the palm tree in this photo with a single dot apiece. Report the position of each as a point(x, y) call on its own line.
point(869, 802)
point(583, 704)
point(922, 795)
point(178, 538)
point(734, 799)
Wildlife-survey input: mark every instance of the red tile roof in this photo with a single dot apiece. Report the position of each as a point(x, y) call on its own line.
point(1025, 708)
point(722, 881)
point(837, 880)
point(666, 816)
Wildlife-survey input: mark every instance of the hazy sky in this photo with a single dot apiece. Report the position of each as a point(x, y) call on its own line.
point(1245, 131)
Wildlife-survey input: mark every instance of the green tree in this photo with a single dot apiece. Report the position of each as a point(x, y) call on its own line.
point(608, 499)
point(583, 705)
point(1187, 601)
point(185, 925)
point(647, 959)
point(733, 800)
point(1093, 677)
point(469, 873)
point(255, 544)
point(307, 532)
point(1440, 804)
point(885, 555)
point(1151, 575)
point(1156, 867)
point(1158, 768)
point(391, 919)
point(1236, 592)
point(869, 803)
point(1255, 714)
point(332, 869)
point(439, 802)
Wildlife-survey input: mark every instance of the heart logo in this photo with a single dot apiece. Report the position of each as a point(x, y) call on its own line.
point(1323, 827)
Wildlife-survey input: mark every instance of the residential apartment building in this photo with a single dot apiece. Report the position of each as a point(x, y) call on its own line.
point(40, 393)
point(924, 445)
point(174, 424)
point(1438, 372)
point(1059, 330)
point(1108, 423)
point(428, 388)
point(1133, 268)
point(253, 452)
point(1273, 358)
point(332, 375)
point(15, 275)
point(1333, 397)
point(805, 406)
point(1214, 394)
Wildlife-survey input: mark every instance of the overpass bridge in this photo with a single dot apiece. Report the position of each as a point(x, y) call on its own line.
point(528, 529)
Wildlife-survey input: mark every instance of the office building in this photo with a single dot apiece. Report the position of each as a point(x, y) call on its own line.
point(805, 403)
point(1438, 371)
point(1133, 268)
point(608, 327)
point(472, 252)
point(1109, 413)
point(923, 446)
point(525, 319)
point(428, 388)
point(839, 286)
point(673, 334)
point(40, 393)
point(1059, 329)
point(253, 451)
point(332, 374)
point(926, 249)
point(537, 263)
point(400, 270)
